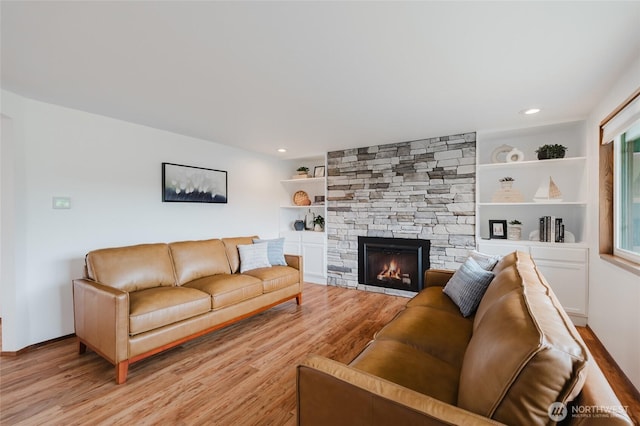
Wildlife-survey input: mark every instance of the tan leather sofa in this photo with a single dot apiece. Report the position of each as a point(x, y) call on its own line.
point(139, 300)
point(507, 364)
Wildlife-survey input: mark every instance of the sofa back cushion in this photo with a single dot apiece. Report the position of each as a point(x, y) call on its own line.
point(231, 247)
point(197, 259)
point(508, 278)
point(524, 354)
point(132, 268)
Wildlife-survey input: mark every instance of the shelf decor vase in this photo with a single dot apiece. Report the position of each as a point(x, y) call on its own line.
point(298, 225)
point(308, 219)
point(514, 232)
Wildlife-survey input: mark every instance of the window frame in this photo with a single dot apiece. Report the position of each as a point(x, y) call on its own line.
point(608, 195)
point(618, 206)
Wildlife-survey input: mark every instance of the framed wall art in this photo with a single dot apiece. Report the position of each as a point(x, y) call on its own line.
point(188, 184)
point(498, 229)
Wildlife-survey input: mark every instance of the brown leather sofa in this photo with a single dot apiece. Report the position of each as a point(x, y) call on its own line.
point(139, 300)
point(507, 364)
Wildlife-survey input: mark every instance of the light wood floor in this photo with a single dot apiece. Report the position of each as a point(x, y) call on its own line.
point(241, 375)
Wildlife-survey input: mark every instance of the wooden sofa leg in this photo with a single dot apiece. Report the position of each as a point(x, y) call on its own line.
point(122, 368)
point(299, 299)
point(82, 348)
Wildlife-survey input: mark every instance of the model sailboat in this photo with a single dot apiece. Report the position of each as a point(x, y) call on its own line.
point(548, 191)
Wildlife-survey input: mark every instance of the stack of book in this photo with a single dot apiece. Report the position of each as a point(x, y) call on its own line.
point(551, 229)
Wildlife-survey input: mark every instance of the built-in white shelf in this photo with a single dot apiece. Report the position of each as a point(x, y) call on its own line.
point(312, 206)
point(529, 243)
point(567, 161)
point(304, 180)
point(569, 174)
point(538, 203)
point(312, 245)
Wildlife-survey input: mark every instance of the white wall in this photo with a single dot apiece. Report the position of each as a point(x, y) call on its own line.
point(112, 171)
point(614, 294)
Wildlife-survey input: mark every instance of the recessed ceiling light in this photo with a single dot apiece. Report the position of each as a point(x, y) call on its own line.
point(282, 150)
point(530, 111)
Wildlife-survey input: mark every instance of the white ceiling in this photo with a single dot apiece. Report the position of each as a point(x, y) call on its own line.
point(319, 76)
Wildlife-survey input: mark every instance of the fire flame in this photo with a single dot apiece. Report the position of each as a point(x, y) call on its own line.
point(392, 270)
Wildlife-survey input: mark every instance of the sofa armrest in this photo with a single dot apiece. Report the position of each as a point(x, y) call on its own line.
point(101, 318)
point(324, 385)
point(437, 277)
point(597, 395)
point(293, 260)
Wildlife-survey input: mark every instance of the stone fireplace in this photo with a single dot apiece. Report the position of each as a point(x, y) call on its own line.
point(419, 190)
point(396, 263)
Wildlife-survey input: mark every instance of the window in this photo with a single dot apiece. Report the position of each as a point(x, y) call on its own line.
point(620, 185)
point(627, 194)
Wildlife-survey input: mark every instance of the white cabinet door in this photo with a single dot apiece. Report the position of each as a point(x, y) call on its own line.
point(566, 272)
point(292, 247)
point(312, 246)
point(315, 267)
point(501, 249)
point(291, 242)
point(564, 268)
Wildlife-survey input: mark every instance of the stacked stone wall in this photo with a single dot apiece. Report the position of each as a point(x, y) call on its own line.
point(421, 189)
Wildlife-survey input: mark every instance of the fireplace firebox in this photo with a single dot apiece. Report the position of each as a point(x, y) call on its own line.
point(397, 263)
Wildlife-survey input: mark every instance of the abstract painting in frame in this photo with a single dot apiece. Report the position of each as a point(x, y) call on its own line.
point(188, 184)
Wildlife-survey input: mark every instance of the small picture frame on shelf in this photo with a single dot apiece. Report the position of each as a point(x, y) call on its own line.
point(318, 171)
point(498, 229)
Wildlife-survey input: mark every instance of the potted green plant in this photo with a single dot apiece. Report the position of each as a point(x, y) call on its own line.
point(303, 172)
point(506, 182)
point(318, 222)
point(514, 230)
point(546, 152)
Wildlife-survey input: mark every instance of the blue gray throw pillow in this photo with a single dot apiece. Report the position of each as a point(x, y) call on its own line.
point(467, 286)
point(275, 250)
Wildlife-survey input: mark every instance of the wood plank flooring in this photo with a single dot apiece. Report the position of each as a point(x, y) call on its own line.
point(241, 375)
point(624, 389)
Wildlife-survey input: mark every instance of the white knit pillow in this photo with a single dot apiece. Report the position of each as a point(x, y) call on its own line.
point(253, 256)
point(486, 261)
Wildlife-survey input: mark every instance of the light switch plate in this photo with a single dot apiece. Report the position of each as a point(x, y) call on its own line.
point(61, 202)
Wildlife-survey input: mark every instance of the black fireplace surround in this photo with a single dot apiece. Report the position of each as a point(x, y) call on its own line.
point(397, 263)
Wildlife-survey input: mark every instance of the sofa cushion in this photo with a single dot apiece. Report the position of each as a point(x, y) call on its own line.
point(275, 250)
point(132, 268)
point(227, 290)
point(253, 256)
point(275, 277)
point(467, 286)
point(434, 298)
point(445, 335)
point(196, 259)
point(231, 247)
point(506, 261)
point(156, 307)
point(410, 367)
point(524, 355)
